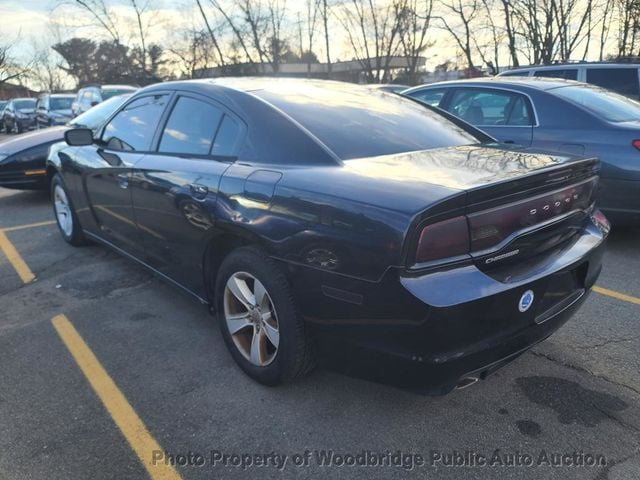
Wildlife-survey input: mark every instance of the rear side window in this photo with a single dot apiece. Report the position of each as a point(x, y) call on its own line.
point(431, 97)
point(191, 127)
point(621, 80)
point(565, 73)
point(226, 137)
point(485, 107)
point(133, 127)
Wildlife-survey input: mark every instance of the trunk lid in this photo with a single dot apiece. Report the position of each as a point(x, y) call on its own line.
point(518, 204)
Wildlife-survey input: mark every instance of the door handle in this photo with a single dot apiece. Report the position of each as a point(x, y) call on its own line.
point(199, 191)
point(123, 180)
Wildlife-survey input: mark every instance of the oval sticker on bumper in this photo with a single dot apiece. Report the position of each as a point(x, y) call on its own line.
point(526, 300)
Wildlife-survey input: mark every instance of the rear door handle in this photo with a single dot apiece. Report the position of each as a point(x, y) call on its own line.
point(199, 191)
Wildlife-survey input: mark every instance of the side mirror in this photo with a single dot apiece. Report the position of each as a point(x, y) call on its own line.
point(78, 137)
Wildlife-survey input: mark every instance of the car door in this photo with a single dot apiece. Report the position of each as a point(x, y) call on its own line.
point(175, 188)
point(124, 141)
point(504, 114)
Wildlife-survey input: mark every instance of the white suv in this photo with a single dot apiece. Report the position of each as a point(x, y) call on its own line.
point(623, 78)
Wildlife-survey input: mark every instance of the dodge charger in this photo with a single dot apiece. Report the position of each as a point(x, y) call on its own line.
point(322, 220)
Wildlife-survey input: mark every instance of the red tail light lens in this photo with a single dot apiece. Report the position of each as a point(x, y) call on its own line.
point(490, 227)
point(445, 239)
point(636, 144)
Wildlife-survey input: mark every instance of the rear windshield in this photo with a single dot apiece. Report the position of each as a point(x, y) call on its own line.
point(60, 103)
point(108, 92)
point(602, 103)
point(356, 122)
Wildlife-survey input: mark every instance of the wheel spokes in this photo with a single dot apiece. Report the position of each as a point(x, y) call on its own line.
point(238, 322)
point(272, 333)
point(257, 347)
point(241, 291)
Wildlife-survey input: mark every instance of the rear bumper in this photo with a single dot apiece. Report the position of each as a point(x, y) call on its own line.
point(469, 323)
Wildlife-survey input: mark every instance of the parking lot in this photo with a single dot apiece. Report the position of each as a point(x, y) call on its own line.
point(109, 372)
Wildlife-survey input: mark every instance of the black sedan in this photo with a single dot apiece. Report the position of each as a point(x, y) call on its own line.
point(19, 115)
point(23, 158)
point(319, 217)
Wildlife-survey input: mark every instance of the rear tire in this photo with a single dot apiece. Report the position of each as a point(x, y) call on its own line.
point(255, 307)
point(66, 218)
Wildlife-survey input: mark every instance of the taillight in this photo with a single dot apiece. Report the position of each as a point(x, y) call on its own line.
point(636, 144)
point(445, 239)
point(490, 227)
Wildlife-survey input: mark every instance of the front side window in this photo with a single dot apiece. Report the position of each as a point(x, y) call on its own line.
point(621, 80)
point(431, 97)
point(566, 73)
point(484, 107)
point(191, 127)
point(133, 127)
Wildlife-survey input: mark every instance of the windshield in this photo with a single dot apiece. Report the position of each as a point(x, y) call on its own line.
point(95, 117)
point(603, 103)
point(24, 103)
point(357, 122)
point(60, 103)
point(112, 92)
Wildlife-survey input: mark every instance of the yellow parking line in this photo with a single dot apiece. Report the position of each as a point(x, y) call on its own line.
point(618, 295)
point(21, 268)
point(29, 225)
point(122, 413)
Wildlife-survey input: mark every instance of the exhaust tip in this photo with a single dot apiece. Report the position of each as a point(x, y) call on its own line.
point(466, 382)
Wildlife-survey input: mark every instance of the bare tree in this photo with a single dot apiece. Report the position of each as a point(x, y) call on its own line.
point(10, 68)
point(373, 34)
point(325, 13)
point(98, 10)
point(414, 22)
point(457, 19)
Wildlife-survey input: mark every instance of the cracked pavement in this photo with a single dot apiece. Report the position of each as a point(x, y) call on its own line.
point(579, 391)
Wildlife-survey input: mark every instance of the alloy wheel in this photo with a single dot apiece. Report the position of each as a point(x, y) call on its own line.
point(251, 318)
point(63, 210)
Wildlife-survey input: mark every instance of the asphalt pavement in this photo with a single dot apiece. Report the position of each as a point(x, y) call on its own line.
point(108, 372)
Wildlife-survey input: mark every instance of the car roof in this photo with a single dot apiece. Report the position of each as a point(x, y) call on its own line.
point(556, 66)
point(536, 83)
point(23, 98)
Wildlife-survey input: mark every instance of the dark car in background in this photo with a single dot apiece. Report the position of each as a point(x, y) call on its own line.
point(53, 109)
point(19, 115)
point(23, 158)
point(92, 95)
point(623, 78)
point(3, 104)
point(556, 115)
point(314, 214)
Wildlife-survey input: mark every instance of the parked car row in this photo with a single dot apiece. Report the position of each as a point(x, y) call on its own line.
point(22, 158)
point(50, 109)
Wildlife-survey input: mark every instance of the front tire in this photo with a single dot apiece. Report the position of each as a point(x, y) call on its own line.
point(65, 214)
point(259, 321)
